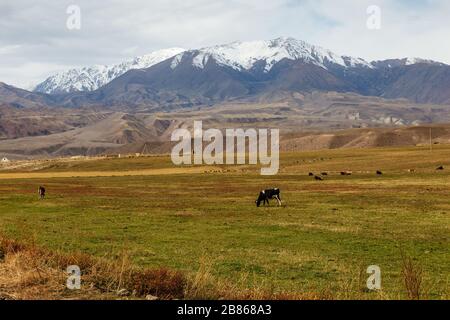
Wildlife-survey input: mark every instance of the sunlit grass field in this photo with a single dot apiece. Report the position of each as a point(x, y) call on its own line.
point(323, 238)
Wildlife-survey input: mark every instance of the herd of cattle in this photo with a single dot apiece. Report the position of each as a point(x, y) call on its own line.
point(270, 194)
point(275, 193)
point(321, 176)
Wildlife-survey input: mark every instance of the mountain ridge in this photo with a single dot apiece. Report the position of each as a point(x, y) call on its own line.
point(243, 55)
point(93, 77)
point(238, 55)
point(247, 72)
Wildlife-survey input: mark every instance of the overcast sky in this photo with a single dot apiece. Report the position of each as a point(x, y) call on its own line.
point(35, 41)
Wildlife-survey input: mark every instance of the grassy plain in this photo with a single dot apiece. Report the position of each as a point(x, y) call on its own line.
point(322, 240)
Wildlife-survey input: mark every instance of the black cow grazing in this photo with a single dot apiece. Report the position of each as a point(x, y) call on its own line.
point(318, 178)
point(311, 174)
point(440, 168)
point(346, 173)
point(269, 194)
point(324, 173)
point(379, 173)
point(41, 191)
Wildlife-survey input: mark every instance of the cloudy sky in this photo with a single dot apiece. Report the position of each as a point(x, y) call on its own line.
point(35, 41)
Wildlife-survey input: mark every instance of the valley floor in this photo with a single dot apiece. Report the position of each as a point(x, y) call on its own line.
point(203, 220)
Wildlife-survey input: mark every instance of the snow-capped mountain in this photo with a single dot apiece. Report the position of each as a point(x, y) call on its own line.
point(245, 55)
point(94, 77)
point(174, 77)
point(392, 63)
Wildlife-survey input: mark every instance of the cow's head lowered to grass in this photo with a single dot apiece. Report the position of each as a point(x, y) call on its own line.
point(260, 199)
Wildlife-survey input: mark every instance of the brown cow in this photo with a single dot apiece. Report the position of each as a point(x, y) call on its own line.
point(41, 191)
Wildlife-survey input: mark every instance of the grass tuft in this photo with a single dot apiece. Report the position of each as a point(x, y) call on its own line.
point(412, 275)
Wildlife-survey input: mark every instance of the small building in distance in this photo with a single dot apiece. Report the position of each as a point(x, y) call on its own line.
point(5, 160)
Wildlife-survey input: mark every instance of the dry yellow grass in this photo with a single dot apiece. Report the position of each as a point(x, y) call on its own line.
point(69, 174)
point(28, 272)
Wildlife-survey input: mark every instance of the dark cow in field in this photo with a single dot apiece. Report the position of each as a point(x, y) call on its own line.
point(41, 191)
point(379, 173)
point(269, 194)
point(317, 178)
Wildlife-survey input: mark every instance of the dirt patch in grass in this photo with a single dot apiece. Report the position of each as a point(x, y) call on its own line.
point(68, 174)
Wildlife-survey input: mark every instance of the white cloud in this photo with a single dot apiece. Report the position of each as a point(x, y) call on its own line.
point(9, 49)
point(34, 40)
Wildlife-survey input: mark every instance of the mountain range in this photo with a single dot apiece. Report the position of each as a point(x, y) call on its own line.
point(246, 71)
point(94, 77)
point(254, 70)
point(283, 82)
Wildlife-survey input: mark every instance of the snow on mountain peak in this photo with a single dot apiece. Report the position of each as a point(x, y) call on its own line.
point(413, 60)
point(392, 63)
point(243, 55)
point(93, 77)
